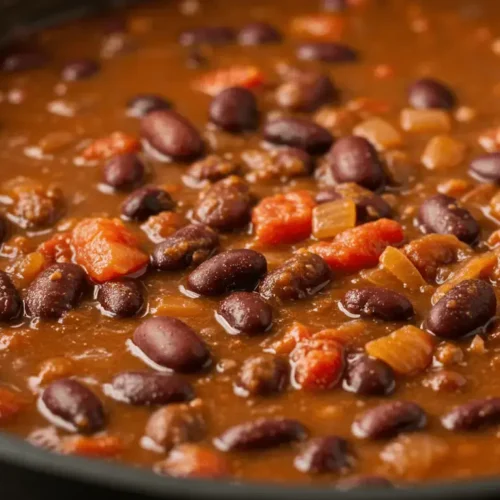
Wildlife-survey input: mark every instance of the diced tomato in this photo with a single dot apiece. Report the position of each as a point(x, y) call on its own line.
point(57, 248)
point(92, 446)
point(236, 76)
point(114, 144)
point(291, 338)
point(284, 218)
point(11, 403)
point(359, 247)
point(107, 249)
point(324, 26)
point(318, 363)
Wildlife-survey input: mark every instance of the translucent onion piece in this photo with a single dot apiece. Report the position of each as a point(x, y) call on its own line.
point(398, 264)
point(330, 219)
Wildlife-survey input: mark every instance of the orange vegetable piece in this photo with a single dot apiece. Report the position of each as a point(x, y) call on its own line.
point(407, 350)
point(11, 403)
point(216, 81)
point(106, 249)
point(57, 248)
point(320, 26)
point(92, 446)
point(359, 247)
point(350, 334)
point(284, 218)
point(291, 338)
point(400, 266)
point(114, 144)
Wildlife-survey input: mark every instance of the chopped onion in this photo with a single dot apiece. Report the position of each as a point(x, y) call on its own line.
point(380, 133)
point(398, 264)
point(330, 219)
point(432, 121)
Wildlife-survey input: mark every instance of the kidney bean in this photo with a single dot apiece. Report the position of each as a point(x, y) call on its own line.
point(208, 35)
point(124, 171)
point(172, 344)
point(299, 277)
point(487, 167)
point(10, 300)
point(428, 93)
point(190, 245)
point(75, 404)
point(354, 159)
point(80, 70)
point(443, 215)
point(377, 302)
point(368, 376)
point(364, 481)
point(122, 299)
point(55, 291)
point(323, 454)
point(262, 375)
point(212, 168)
point(142, 104)
point(246, 312)
point(4, 228)
point(226, 206)
point(148, 388)
point(331, 52)
point(239, 269)
point(473, 415)
point(176, 424)
point(335, 5)
point(235, 110)
point(388, 420)
point(261, 433)
point(146, 201)
point(465, 308)
point(258, 33)
point(23, 61)
point(172, 135)
point(445, 381)
point(299, 133)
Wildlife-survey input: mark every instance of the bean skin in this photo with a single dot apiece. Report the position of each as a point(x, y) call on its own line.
point(79, 70)
point(146, 201)
point(364, 481)
point(76, 405)
point(142, 104)
point(231, 270)
point(258, 33)
point(55, 291)
point(428, 93)
point(212, 168)
point(465, 308)
point(208, 35)
point(298, 133)
point(10, 300)
point(190, 245)
point(24, 60)
point(299, 277)
point(486, 167)
point(148, 388)
point(235, 110)
point(377, 302)
point(246, 312)
point(172, 344)
point(124, 171)
point(443, 215)
point(121, 299)
point(368, 376)
point(323, 454)
point(4, 228)
point(262, 433)
point(389, 419)
point(473, 415)
point(331, 52)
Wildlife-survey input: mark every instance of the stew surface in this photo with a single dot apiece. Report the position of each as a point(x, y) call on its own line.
point(256, 240)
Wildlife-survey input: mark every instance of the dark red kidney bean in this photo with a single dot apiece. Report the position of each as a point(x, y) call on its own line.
point(354, 159)
point(74, 403)
point(335, 5)
point(262, 375)
point(23, 61)
point(324, 454)
point(464, 309)
point(331, 52)
point(80, 70)
point(377, 302)
point(443, 215)
point(258, 33)
point(122, 299)
point(239, 269)
point(261, 433)
point(142, 104)
point(486, 167)
point(388, 420)
point(473, 415)
point(298, 133)
point(246, 312)
point(10, 300)
point(234, 110)
point(212, 168)
point(172, 344)
point(55, 291)
point(368, 376)
point(149, 388)
point(4, 228)
point(208, 35)
point(190, 245)
point(299, 277)
point(226, 205)
point(146, 201)
point(364, 481)
point(172, 135)
point(428, 93)
point(124, 171)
